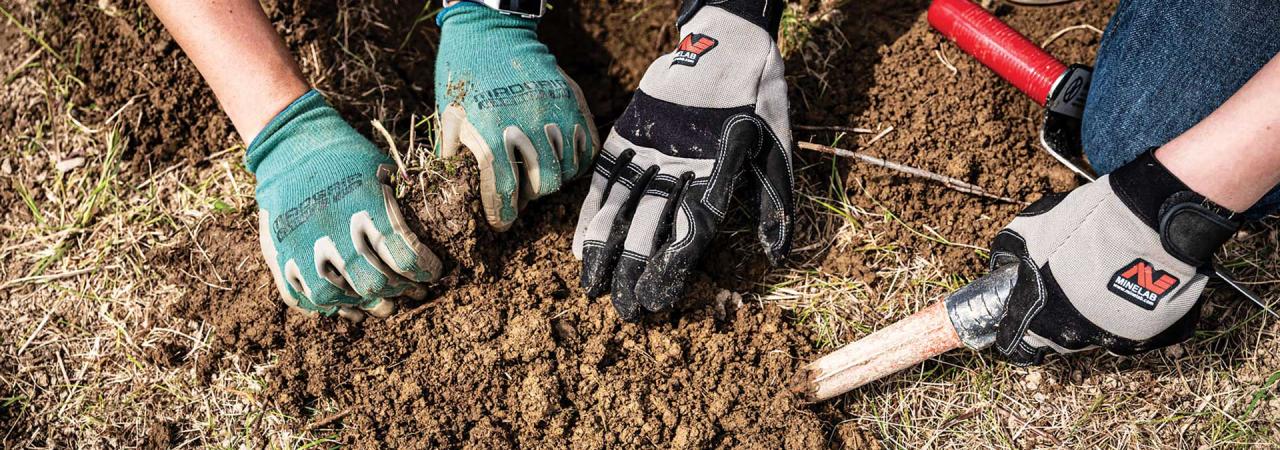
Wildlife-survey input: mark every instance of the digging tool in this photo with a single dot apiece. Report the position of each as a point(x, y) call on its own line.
point(966, 318)
point(1061, 89)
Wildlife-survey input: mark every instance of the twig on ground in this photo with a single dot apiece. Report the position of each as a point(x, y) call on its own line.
point(881, 135)
point(826, 9)
point(329, 420)
point(854, 130)
point(1060, 33)
point(949, 182)
point(46, 278)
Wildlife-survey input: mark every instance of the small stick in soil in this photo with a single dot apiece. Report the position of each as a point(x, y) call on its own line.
point(1069, 29)
point(329, 420)
point(880, 135)
point(949, 182)
point(853, 130)
point(826, 9)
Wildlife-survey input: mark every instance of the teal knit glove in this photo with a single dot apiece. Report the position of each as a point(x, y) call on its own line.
point(500, 94)
point(330, 229)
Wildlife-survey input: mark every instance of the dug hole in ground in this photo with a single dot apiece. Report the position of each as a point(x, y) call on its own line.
point(135, 310)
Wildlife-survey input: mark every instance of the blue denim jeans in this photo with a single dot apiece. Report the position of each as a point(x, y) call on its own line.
point(1166, 64)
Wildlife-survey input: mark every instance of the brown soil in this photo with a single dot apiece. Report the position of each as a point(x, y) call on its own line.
point(507, 350)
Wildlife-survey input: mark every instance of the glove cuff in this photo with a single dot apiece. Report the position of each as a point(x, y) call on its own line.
point(766, 14)
point(1192, 228)
point(265, 141)
point(468, 13)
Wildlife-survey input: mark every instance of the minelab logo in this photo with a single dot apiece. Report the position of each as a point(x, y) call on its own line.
point(1142, 285)
point(692, 48)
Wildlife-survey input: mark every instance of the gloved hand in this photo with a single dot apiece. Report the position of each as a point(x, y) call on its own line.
point(330, 229)
point(500, 94)
point(1118, 263)
point(712, 110)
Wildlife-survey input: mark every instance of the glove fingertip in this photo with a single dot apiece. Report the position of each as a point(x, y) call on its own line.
point(777, 249)
point(380, 308)
point(626, 306)
point(429, 266)
point(658, 289)
point(586, 145)
point(351, 314)
point(593, 273)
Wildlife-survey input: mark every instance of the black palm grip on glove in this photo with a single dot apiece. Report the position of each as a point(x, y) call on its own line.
point(1119, 264)
point(732, 138)
point(709, 114)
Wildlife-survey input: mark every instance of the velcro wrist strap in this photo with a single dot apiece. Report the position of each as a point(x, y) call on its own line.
point(766, 14)
point(1191, 227)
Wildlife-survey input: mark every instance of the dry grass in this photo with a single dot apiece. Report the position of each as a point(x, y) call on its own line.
point(84, 323)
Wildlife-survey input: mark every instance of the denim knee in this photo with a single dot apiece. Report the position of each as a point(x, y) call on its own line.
point(1164, 65)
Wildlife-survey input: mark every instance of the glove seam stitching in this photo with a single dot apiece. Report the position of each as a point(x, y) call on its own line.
point(1039, 303)
point(693, 231)
point(1078, 227)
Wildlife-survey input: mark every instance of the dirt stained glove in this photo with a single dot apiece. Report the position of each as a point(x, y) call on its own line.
point(706, 114)
point(501, 95)
point(1118, 263)
point(328, 222)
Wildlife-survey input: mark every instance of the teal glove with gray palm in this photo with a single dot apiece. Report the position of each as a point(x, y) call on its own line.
point(328, 222)
point(500, 94)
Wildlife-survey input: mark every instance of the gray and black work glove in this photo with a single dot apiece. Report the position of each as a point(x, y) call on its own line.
point(1118, 263)
point(709, 112)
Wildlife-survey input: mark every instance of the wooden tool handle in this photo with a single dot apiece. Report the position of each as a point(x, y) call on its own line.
point(993, 43)
point(908, 342)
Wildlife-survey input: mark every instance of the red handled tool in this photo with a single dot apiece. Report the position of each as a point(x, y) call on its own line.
point(1061, 89)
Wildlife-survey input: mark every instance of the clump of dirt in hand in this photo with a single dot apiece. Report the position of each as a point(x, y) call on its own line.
point(444, 207)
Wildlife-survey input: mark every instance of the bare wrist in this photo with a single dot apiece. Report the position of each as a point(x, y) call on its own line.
point(1209, 174)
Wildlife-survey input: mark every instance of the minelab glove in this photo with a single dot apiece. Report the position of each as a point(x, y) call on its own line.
point(330, 229)
point(712, 110)
point(1118, 263)
point(500, 94)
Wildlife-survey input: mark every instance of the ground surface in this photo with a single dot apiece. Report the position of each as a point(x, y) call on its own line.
point(137, 312)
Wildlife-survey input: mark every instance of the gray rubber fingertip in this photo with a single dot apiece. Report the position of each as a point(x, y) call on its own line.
point(383, 309)
point(433, 266)
point(351, 314)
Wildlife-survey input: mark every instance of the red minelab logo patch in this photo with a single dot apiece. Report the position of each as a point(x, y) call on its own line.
point(1142, 284)
point(692, 48)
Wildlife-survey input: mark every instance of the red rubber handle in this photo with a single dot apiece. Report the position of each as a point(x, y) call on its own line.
point(994, 44)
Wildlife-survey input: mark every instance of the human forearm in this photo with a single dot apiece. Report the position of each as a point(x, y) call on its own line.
point(1233, 156)
point(239, 54)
